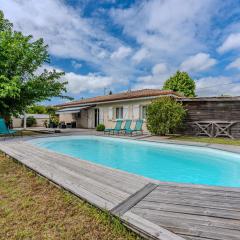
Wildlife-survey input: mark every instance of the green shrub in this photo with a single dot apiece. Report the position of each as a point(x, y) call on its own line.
point(31, 121)
point(100, 127)
point(164, 116)
point(54, 121)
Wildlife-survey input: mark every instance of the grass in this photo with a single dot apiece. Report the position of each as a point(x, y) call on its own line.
point(22, 133)
point(207, 140)
point(26, 133)
point(33, 208)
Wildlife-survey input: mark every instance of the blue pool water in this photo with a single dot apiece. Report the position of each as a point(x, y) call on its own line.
point(165, 162)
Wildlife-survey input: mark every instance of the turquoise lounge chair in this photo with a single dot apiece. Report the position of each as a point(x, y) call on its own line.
point(116, 128)
point(137, 129)
point(127, 126)
point(4, 130)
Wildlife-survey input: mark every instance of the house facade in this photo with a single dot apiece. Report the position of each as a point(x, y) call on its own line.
point(88, 113)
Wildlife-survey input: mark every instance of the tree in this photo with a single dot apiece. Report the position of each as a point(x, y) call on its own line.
point(182, 83)
point(20, 83)
point(37, 109)
point(41, 109)
point(51, 110)
point(164, 116)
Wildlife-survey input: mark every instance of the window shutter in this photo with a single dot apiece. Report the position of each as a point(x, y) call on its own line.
point(125, 112)
point(135, 112)
point(101, 120)
point(110, 113)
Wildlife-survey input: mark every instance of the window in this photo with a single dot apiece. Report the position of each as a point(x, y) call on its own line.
point(76, 115)
point(144, 112)
point(119, 113)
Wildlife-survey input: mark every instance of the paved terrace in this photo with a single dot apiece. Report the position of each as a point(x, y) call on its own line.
point(157, 210)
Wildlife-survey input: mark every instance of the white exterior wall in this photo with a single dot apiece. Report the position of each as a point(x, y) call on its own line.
point(107, 113)
point(40, 120)
point(82, 122)
point(17, 122)
point(91, 118)
point(131, 110)
point(66, 117)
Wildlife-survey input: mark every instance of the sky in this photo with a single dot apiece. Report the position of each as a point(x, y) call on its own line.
point(115, 45)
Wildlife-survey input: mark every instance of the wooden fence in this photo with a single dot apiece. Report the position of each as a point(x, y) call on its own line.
point(222, 114)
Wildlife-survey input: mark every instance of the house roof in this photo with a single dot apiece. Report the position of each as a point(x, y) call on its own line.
point(121, 96)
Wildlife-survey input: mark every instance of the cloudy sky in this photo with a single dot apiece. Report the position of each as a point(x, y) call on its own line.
point(122, 45)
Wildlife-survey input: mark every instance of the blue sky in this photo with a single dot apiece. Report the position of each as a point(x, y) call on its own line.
point(121, 45)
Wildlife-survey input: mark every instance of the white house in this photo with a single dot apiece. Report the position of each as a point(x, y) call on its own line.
point(89, 112)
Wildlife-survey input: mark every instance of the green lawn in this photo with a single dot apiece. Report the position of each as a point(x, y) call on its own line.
point(23, 133)
point(207, 140)
point(33, 208)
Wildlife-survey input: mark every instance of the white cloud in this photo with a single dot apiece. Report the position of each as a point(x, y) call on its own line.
point(234, 64)
point(71, 35)
point(232, 42)
point(78, 83)
point(159, 68)
point(140, 55)
point(91, 82)
point(121, 53)
point(67, 33)
point(216, 86)
point(76, 64)
point(198, 63)
point(160, 73)
point(162, 31)
point(168, 29)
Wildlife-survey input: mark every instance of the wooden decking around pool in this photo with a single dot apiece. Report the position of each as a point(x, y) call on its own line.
point(155, 209)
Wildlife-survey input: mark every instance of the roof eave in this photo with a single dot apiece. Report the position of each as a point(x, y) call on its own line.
point(120, 100)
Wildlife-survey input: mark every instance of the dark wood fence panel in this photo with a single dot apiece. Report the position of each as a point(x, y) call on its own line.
point(212, 111)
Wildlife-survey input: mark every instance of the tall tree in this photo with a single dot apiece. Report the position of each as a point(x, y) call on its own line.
point(182, 83)
point(20, 83)
point(41, 109)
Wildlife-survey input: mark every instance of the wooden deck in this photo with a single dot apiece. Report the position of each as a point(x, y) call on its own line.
point(155, 209)
point(193, 213)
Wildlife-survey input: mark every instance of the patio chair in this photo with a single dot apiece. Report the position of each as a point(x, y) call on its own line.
point(4, 130)
point(137, 128)
point(116, 128)
point(127, 126)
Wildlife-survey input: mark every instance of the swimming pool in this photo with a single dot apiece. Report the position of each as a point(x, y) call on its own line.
point(160, 161)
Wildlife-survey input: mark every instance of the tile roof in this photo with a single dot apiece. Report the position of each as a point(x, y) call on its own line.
point(121, 96)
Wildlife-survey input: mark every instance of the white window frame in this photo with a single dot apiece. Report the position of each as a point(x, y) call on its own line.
point(144, 116)
point(110, 113)
point(136, 112)
point(119, 112)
